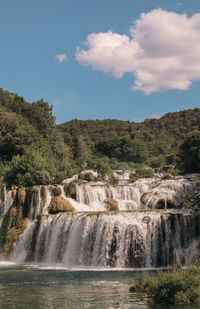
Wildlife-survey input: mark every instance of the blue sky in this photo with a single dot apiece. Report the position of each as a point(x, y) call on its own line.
point(34, 32)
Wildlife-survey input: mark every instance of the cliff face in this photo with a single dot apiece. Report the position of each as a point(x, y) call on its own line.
point(146, 228)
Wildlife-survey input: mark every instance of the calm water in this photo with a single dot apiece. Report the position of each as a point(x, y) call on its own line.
point(30, 287)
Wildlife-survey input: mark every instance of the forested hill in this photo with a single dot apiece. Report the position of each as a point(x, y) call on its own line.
point(34, 150)
point(153, 142)
point(171, 128)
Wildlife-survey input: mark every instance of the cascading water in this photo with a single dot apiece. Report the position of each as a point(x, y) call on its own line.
point(137, 235)
point(120, 240)
point(6, 201)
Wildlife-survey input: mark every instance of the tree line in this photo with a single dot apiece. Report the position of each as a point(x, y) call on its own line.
point(34, 150)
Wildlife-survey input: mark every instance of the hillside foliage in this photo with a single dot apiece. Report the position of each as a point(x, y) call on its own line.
point(34, 150)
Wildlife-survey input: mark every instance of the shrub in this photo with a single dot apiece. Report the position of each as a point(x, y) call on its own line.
point(21, 194)
point(12, 226)
point(172, 287)
point(167, 176)
point(70, 189)
point(56, 191)
point(191, 200)
point(87, 176)
point(141, 173)
point(59, 204)
point(113, 180)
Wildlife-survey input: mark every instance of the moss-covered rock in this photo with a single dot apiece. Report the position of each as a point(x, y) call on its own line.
point(14, 191)
point(21, 195)
point(111, 205)
point(70, 189)
point(165, 202)
point(12, 226)
point(56, 191)
point(88, 176)
point(43, 196)
point(59, 204)
point(33, 195)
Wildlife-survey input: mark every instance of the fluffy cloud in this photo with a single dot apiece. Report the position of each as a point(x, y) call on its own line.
point(162, 52)
point(61, 57)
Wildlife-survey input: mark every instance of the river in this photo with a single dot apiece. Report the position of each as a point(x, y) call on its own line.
point(29, 286)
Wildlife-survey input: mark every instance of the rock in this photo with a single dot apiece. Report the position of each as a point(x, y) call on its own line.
point(146, 219)
point(14, 191)
point(111, 205)
point(56, 191)
point(21, 194)
point(59, 204)
point(165, 202)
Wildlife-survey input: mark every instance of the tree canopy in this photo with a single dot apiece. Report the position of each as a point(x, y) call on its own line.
point(34, 150)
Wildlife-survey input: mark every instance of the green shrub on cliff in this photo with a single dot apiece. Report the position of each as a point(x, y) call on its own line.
point(141, 173)
point(14, 223)
point(70, 189)
point(87, 176)
point(56, 191)
point(181, 286)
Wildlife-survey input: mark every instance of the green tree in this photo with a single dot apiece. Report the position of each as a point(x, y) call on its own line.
point(190, 153)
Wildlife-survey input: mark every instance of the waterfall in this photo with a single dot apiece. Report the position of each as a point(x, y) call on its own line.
point(143, 232)
point(142, 194)
point(6, 201)
point(135, 240)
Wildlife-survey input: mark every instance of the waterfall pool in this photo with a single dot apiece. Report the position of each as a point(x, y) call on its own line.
point(29, 286)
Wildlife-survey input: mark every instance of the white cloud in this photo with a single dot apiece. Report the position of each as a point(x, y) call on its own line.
point(61, 57)
point(162, 52)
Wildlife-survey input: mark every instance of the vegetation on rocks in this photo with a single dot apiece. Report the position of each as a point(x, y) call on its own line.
point(70, 189)
point(14, 222)
point(141, 173)
point(111, 205)
point(181, 286)
point(59, 204)
point(56, 191)
point(191, 199)
point(166, 202)
point(87, 176)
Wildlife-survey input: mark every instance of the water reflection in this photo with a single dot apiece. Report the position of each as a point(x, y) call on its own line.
point(25, 288)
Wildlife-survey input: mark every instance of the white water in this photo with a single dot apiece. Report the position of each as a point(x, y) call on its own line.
point(6, 201)
point(136, 240)
point(136, 237)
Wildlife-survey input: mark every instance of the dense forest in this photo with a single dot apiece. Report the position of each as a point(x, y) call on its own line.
point(34, 150)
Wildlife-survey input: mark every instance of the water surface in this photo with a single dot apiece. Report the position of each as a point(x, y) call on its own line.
point(25, 286)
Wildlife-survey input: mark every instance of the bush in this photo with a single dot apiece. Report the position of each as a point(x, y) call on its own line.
point(102, 167)
point(87, 176)
point(56, 191)
point(191, 200)
point(12, 226)
point(59, 204)
point(70, 189)
point(113, 180)
point(141, 173)
point(167, 176)
point(172, 287)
